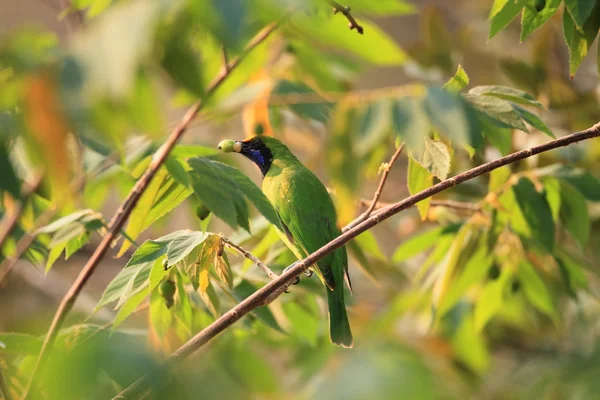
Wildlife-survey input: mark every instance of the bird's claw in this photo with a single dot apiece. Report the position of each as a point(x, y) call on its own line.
point(297, 280)
point(308, 272)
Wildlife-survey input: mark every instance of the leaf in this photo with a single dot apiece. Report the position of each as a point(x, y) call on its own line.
point(243, 291)
point(490, 300)
point(161, 317)
point(138, 217)
point(497, 109)
point(587, 184)
point(411, 122)
point(447, 113)
point(534, 18)
point(375, 47)
point(552, 190)
point(419, 179)
point(64, 221)
point(579, 40)
point(304, 324)
point(574, 213)
point(19, 343)
point(182, 245)
point(222, 187)
point(536, 211)
point(55, 252)
point(368, 243)
point(177, 171)
point(475, 270)
point(580, 10)
point(418, 243)
point(502, 13)
point(191, 150)
point(436, 158)
point(506, 93)
point(498, 177)
point(470, 345)
point(319, 111)
point(535, 290)
point(458, 82)
point(534, 121)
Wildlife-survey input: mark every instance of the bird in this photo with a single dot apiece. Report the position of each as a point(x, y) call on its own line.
point(308, 219)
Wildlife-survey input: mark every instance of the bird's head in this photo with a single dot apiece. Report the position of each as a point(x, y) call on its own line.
point(261, 150)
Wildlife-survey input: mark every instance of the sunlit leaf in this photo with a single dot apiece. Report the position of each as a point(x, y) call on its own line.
point(419, 179)
point(458, 82)
point(498, 109)
point(502, 13)
point(579, 40)
point(506, 93)
point(491, 300)
point(535, 290)
point(534, 17)
point(436, 158)
point(534, 121)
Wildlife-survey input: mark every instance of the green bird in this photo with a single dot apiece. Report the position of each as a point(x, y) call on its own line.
point(308, 218)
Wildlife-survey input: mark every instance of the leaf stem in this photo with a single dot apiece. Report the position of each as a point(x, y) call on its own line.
point(245, 253)
point(258, 298)
point(352, 24)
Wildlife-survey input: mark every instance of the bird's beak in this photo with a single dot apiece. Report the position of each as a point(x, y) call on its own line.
point(229, 146)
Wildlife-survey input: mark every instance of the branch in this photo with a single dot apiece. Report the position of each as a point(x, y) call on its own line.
point(129, 204)
point(272, 275)
point(259, 297)
point(457, 205)
point(10, 220)
point(352, 24)
point(387, 167)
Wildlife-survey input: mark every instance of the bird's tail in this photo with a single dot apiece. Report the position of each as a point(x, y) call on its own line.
point(339, 327)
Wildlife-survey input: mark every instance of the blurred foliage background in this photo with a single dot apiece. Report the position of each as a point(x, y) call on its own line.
point(488, 291)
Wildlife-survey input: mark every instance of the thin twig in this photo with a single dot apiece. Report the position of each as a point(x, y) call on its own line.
point(265, 293)
point(10, 220)
point(272, 275)
point(225, 60)
point(387, 167)
point(457, 205)
point(129, 204)
point(352, 24)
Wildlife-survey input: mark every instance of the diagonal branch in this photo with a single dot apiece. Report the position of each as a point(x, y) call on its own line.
point(130, 202)
point(456, 205)
point(352, 24)
point(387, 167)
point(264, 294)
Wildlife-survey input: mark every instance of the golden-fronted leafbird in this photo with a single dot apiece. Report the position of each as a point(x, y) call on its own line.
point(308, 219)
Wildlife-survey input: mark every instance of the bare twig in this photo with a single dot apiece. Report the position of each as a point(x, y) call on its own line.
point(272, 275)
point(10, 220)
point(457, 205)
point(352, 24)
point(129, 204)
point(386, 171)
point(259, 297)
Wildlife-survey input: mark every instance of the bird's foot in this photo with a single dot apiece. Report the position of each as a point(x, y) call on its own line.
point(308, 272)
point(297, 280)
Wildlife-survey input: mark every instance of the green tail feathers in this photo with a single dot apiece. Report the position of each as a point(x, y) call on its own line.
point(339, 327)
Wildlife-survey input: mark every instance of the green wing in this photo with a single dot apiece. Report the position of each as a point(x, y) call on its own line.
point(309, 217)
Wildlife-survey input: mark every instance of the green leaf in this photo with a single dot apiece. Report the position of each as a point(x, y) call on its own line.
point(470, 345)
point(498, 177)
point(53, 255)
point(580, 10)
point(579, 40)
point(507, 93)
point(191, 150)
point(219, 186)
point(304, 324)
point(184, 244)
point(458, 82)
point(9, 182)
point(319, 111)
point(64, 221)
point(376, 46)
point(447, 113)
point(475, 270)
point(574, 213)
point(161, 317)
point(552, 189)
point(19, 343)
point(502, 13)
point(75, 244)
point(534, 121)
point(419, 179)
point(534, 18)
point(436, 158)
point(177, 171)
point(497, 109)
point(587, 184)
point(536, 211)
point(245, 289)
point(418, 243)
point(535, 290)
point(411, 122)
point(490, 300)
point(368, 243)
